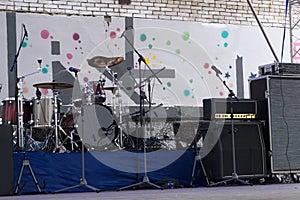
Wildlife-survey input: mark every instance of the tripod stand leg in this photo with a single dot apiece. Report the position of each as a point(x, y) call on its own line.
point(35, 181)
point(198, 158)
point(19, 179)
point(26, 163)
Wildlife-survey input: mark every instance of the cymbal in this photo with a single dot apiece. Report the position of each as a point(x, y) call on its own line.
point(102, 62)
point(53, 85)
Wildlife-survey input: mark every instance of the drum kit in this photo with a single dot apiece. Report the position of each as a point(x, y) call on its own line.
point(42, 114)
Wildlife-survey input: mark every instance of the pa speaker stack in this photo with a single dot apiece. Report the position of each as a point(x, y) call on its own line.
point(282, 97)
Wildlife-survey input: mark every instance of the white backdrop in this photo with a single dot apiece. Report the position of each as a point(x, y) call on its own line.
point(188, 48)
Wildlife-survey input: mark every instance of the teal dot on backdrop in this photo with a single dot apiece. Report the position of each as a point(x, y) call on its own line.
point(164, 88)
point(47, 65)
point(186, 93)
point(143, 37)
point(150, 46)
point(169, 84)
point(225, 34)
point(178, 51)
point(191, 81)
point(44, 70)
point(24, 44)
point(168, 42)
point(153, 39)
point(225, 44)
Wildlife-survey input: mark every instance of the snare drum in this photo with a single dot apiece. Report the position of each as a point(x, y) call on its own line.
point(9, 112)
point(43, 111)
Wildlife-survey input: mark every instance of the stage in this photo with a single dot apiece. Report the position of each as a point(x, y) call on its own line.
point(273, 191)
point(55, 171)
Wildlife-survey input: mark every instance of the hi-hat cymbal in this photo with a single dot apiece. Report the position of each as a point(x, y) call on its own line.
point(53, 85)
point(102, 62)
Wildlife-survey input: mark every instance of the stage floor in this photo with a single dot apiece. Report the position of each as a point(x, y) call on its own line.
point(270, 191)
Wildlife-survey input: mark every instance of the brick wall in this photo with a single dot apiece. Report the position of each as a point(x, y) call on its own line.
point(270, 12)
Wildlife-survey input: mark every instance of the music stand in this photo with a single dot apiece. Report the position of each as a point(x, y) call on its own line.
point(234, 176)
point(83, 181)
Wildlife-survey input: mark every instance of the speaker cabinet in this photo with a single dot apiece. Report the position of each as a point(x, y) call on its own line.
point(249, 151)
point(6, 157)
point(282, 95)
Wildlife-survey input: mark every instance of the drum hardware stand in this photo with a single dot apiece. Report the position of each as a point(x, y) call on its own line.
point(83, 181)
point(71, 137)
point(25, 163)
point(198, 158)
point(57, 127)
point(21, 129)
point(234, 177)
point(142, 118)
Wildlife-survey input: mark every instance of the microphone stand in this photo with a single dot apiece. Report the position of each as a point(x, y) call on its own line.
point(20, 128)
point(234, 177)
point(142, 119)
point(83, 181)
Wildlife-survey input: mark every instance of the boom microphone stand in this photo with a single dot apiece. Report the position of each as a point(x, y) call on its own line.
point(142, 120)
point(234, 177)
point(83, 181)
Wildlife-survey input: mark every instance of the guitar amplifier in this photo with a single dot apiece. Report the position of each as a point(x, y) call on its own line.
point(220, 108)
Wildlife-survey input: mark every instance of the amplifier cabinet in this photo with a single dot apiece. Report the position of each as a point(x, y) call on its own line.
point(283, 116)
point(249, 150)
point(7, 161)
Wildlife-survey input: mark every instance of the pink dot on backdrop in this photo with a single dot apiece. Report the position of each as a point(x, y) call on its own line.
point(221, 94)
point(209, 72)
point(206, 65)
point(85, 79)
point(45, 34)
point(76, 36)
point(69, 56)
point(118, 29)
point(113, 35)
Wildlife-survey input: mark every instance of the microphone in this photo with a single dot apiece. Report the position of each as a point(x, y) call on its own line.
point(73, 69)
point(218, 72)
point(39, 60)
point(26, 33)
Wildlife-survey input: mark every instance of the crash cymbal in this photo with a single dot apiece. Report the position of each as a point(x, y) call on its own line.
point(53, 85)
point(102, 62)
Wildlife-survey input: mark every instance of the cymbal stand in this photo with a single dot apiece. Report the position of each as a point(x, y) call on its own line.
point(21, 131)
point(116, 95)
point(234, 178)
point(83, 181)
point(56, 126)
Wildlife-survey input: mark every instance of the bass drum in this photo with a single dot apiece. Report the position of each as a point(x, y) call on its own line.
point(97, 127)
